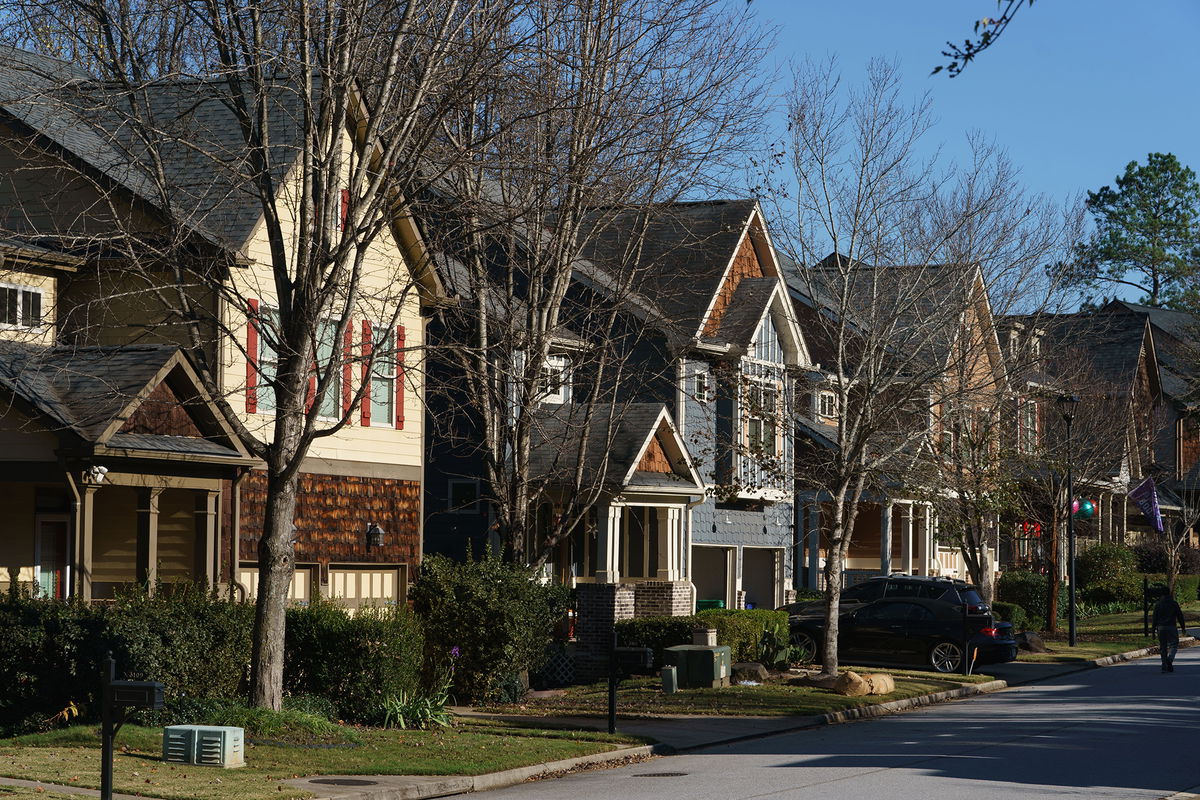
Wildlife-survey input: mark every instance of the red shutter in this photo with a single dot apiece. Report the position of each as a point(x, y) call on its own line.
point(252, 358)
point(345, 194)
point(347, 370)
point(367, 348)
point(399, 377)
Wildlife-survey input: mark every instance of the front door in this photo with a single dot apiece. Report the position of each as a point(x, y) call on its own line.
point(51, 555)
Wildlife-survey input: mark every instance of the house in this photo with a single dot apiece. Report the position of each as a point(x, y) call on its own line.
point(1108, 363)
point(687, 457)
point(146, 391)
point(908, 374)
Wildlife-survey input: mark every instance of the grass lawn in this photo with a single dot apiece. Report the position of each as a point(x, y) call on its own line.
point(644, 697)
point(72, 756)
point(1105, 635)
point(25, 792)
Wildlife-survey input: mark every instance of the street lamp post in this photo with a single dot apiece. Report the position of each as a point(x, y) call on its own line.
point(1066, 405)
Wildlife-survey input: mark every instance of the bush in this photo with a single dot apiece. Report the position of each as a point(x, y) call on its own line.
point(497, 616)
point(742, 629)
point(1010, 612)
point(1187, 587)
point(1152, 557)
point(657, 633)
point(1027, 590)
point(354, 661)
point(196, 644)
point(1107, 573)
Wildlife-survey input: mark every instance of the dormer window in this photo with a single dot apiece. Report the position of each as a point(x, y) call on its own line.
point(556, 380)
point(20, 307)
point(703, 387)
point(827, 405)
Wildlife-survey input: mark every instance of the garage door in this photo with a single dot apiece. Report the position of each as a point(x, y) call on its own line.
point(759, 577)
point(355, 586)
point(299, 592)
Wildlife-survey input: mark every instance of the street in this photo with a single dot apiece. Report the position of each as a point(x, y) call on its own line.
point(1126, 731)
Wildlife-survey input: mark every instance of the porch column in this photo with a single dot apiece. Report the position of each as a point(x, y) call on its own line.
point(906, 538)
point(885, 538)
point(84, 540)
point(147, 538)
point(814, 544)
point(609, 546)
point(670, 543)
point(204, 565)
point(925, 555)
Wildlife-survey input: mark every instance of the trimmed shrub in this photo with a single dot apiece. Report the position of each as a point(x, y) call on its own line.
point(352, 661)
point(1107, 573)
point(657, 633)
point(1027, 590)
point(742, 629)
point(1187, 587)
point(1152, 557)
point(196, 644)
point(497, 616)
point(1010, 612)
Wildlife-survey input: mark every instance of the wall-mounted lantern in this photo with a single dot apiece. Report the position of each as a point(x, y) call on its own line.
point(374, 535)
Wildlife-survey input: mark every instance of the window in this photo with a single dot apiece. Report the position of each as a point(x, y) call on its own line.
point(268, 359)
point(329, 359)
point(20, 307)
point(463, 496)
point(1027, 433)
point(556, 380)
point(761, 414)
point(702, 387)
point(383, 382)
point(827, 405)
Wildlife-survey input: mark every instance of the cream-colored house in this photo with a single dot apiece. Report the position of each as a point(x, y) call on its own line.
point(160, 296)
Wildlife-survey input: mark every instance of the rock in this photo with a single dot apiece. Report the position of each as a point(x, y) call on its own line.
point(880, 683)
point(749, 671)
point(814, 679)
point(1030, 642)
point(851, 684)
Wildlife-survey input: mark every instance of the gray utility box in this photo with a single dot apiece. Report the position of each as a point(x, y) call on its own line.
point(699, 666)
point(206, 745)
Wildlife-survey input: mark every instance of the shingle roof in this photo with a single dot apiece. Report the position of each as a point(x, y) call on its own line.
point(746, 308)
point(204, 157)
point(83, 389)
point(613, 443)
point(170, 444)
point(680, 259)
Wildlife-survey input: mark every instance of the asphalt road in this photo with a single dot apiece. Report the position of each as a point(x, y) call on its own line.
point(1126, 731)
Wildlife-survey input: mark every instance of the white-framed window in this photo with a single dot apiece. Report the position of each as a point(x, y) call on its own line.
point(268, 359)
point(329, 359)
point(462, 496)
point(383, 380)
point(556, 379)
point(20, 306)
point(762, 416)
point(1027, 433)
point(702, 387)
point(827, 405)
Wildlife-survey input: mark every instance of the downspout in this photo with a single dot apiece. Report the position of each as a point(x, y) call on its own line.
point(72, 544)
point(235, 531)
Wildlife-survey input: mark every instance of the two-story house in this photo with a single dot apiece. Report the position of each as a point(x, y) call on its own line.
point(139, 405)
point(691, 444)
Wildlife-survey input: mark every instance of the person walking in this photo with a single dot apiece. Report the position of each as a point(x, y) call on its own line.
point(1166, 614)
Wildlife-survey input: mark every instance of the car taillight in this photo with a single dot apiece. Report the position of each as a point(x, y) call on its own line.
point(991, 633)
point(976, 609)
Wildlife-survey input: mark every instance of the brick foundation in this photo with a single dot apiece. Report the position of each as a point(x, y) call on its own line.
point(598, 607)
point(663, 599)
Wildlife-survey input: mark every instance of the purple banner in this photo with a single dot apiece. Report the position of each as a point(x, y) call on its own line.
point(1146, 498)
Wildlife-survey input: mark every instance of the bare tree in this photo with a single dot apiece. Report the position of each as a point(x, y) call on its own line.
point(898, 317)
point(607, 112)
point(325, 117)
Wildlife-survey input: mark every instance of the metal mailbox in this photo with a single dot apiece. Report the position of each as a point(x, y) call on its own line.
point(634, 660)
point(137, 694)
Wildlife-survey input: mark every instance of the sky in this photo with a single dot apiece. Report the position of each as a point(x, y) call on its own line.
point(1074, 90)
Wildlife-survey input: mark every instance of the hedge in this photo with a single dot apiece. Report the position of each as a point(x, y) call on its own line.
point(1108, 573)
point(1187, 587)
point(742, 629)
point(657, 633)
point(1010, 612)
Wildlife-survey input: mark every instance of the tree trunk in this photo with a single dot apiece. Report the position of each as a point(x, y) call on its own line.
point(833, 596)
point(276, 566)
point(1055, 582)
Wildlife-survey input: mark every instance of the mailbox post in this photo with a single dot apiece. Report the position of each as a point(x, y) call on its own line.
point(124, 695)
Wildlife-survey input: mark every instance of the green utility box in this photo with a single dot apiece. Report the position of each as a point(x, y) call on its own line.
point(699, 666)
point(704, 605)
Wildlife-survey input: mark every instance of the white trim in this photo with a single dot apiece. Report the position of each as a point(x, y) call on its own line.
point(21, 289)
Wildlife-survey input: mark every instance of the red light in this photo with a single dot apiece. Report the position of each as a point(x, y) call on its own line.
point(974, 609)
point(991, 633)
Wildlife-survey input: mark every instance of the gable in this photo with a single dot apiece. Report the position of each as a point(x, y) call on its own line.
point(655, 458)
point(162, 412)
point(745, 265)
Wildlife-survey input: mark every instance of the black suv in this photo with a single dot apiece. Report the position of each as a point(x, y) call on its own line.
point(899, 587)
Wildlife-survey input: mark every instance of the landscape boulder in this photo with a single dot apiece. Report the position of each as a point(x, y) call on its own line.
point(880, 683)
point(851, 684)
point(749, 671)
point(1030, 642)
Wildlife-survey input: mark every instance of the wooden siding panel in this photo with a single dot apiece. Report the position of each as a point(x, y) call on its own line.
point(162, 413)
point(655, 459)
point(745, 265)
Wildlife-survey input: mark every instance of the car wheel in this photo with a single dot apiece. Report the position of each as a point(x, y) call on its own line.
point(804, 647)
point(946, 657)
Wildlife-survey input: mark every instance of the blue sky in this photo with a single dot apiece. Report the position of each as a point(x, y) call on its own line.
point(1074, 90)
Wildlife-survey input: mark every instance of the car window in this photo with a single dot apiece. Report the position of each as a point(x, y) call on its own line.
point(892, 612)
point(864, 592)
point(970, 596)
point(903, 589)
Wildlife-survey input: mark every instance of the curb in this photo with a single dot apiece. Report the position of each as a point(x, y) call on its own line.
point(1152, 650)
